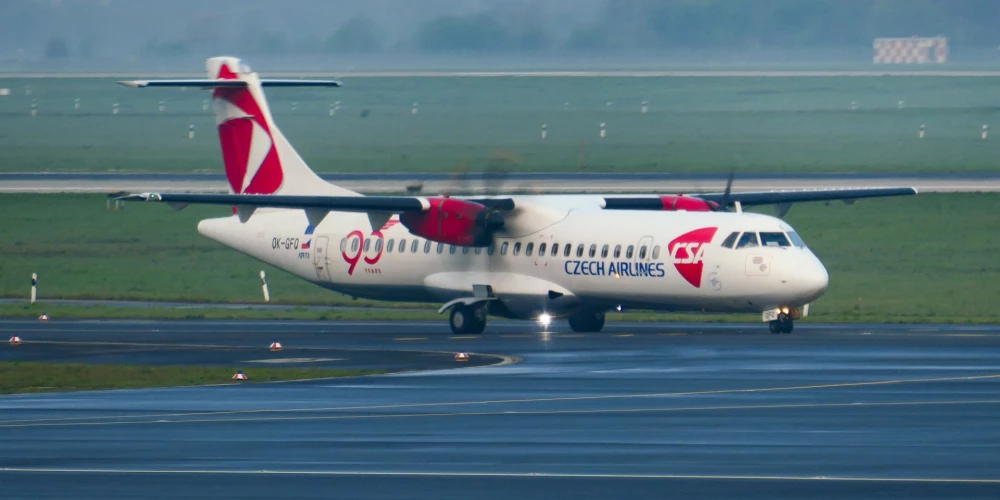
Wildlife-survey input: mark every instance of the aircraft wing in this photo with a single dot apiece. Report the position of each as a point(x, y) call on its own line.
point(776, 197)
point(394, 204)
point(714, 201)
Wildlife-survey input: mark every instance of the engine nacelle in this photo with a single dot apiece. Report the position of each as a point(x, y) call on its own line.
point(454, 222)
point(689, 203)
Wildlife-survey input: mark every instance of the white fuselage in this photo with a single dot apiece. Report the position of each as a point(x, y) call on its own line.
point(664, 260)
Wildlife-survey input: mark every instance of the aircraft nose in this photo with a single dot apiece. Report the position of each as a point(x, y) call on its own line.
point(812, 277)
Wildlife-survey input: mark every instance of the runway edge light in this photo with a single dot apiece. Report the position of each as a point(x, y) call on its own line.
point(43, 317)
point(275, 346)
point(15, 340)
point(461, 357)
point(240, 376)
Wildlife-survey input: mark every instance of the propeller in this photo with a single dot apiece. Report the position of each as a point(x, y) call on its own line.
point(724, 206)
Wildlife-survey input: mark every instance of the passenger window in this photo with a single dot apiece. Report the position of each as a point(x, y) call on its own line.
point(642, 252)
point(656, 252)
point(378, 245)
point(555, 249)
point(465, 250)
point(491, 249)
point(479, 250)
point(440, 247)
point(579, 250)
point(343, 244)
point(388, 247)
point(402, 245)
point(796, 240)
point(593, 251)
point(748, 240)
point(427, 246)
point(354, 245)
point(451, 249)
point(368, 244)
point(629, 251)
point(503, 248)
point(541, 250)
point(567, 249)
point(528, 249)
point(517, 248)
point(413, 246)
point(774, 240)
point(618, 251)
point(604, 252)
point(731, 239)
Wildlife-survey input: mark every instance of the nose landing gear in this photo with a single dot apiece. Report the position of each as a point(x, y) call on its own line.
point(784, 324)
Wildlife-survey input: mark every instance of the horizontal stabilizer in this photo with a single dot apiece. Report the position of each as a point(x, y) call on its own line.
point(209, 84)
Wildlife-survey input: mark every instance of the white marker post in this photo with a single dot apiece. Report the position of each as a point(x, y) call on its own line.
point(76, 103)
point(27, 90)
point(610, 103)
point(204, 105)
point(295, 105)
point(984, 134)
point(854, 105)
point(34, 287)
point(162, 107)
point(545, 131)
point(644, 108)
point(900, 104)
point(333, 111)
point(604, 132)
point(263, 286)
point(923, 129)
point(114, 108)
point(34, 108)
point(413, 110)
point(191, 131)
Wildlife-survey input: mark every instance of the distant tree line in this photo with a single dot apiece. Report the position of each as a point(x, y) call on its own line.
point(625, 25)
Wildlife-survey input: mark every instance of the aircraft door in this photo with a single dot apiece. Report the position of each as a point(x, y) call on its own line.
point(644, 249)
point(321, 258)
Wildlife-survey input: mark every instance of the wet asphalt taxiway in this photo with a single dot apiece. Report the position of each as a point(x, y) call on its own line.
point(639, 411)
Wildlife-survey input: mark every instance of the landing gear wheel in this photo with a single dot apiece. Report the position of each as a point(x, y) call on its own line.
point(587, 321)
point(783, 324)
point(467, 319)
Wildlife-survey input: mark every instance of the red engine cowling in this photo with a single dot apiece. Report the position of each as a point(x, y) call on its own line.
point(689, 203)
point(455, 222)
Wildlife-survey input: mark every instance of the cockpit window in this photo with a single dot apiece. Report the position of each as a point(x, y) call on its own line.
point(730, 240)
point(774, 240)
point(792, 235)
point(748, 240)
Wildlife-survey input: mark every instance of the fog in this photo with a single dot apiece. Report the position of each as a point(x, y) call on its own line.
point(477, 34)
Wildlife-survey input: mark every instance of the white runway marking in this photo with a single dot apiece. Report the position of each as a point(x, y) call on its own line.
point(291, 360)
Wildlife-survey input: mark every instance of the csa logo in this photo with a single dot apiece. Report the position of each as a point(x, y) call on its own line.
point(687, 252)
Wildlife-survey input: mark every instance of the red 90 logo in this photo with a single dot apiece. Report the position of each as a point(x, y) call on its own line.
point(360, 248)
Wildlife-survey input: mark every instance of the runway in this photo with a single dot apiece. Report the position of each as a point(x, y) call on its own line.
point(641, 410)
point(552, 183)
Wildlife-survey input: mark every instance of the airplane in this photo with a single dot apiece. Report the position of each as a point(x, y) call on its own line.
point(536, 257)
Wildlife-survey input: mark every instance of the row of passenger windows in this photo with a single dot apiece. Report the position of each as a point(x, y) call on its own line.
point(734, 240)
point(529, 249)
point(772, 239)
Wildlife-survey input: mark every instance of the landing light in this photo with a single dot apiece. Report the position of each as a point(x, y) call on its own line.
point(545, 320)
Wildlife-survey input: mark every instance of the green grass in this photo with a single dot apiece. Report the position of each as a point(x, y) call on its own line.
point(18, 377)
point(694, 125)
point(931, 257)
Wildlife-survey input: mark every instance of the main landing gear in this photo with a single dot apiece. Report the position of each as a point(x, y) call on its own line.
point(783, 324)
point(587, 321)
point(467, 319)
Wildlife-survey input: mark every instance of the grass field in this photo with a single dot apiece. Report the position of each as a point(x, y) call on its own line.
point(693, 125)
point(926, 258)
point(17, 377)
